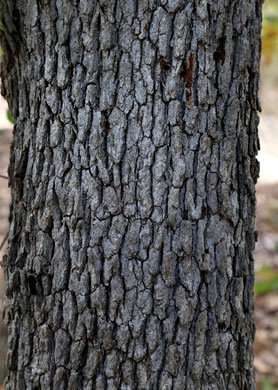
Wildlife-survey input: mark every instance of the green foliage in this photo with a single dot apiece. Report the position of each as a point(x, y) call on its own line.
point(267, 385)
point(269, 31)
point(266, 280)
point(9, 116)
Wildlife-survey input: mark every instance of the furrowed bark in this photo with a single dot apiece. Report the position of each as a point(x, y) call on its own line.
point(132, 175)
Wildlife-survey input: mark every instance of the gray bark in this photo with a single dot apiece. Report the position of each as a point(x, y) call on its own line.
point(132, 175)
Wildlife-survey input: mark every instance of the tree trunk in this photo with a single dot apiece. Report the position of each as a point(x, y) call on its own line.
point(132, 175)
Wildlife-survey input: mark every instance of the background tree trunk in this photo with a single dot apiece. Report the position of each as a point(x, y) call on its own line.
point(132, 176)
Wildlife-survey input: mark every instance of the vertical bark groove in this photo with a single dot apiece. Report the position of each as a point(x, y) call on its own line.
point(132, 175)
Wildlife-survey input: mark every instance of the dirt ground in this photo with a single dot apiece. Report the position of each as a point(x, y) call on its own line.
point(266, 253)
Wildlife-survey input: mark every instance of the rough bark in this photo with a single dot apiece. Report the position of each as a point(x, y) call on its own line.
point(132, 175)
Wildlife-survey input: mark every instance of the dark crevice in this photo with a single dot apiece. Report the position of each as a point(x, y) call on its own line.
point(186, 74)
point(220, 53)
point(32, 283)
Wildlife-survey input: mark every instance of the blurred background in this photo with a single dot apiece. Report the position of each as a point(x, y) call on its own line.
point(266, 253)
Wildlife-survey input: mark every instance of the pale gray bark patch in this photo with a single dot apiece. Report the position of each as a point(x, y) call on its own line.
point(132, 174)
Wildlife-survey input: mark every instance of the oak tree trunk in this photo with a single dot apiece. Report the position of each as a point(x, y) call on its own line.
point(132, 175)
